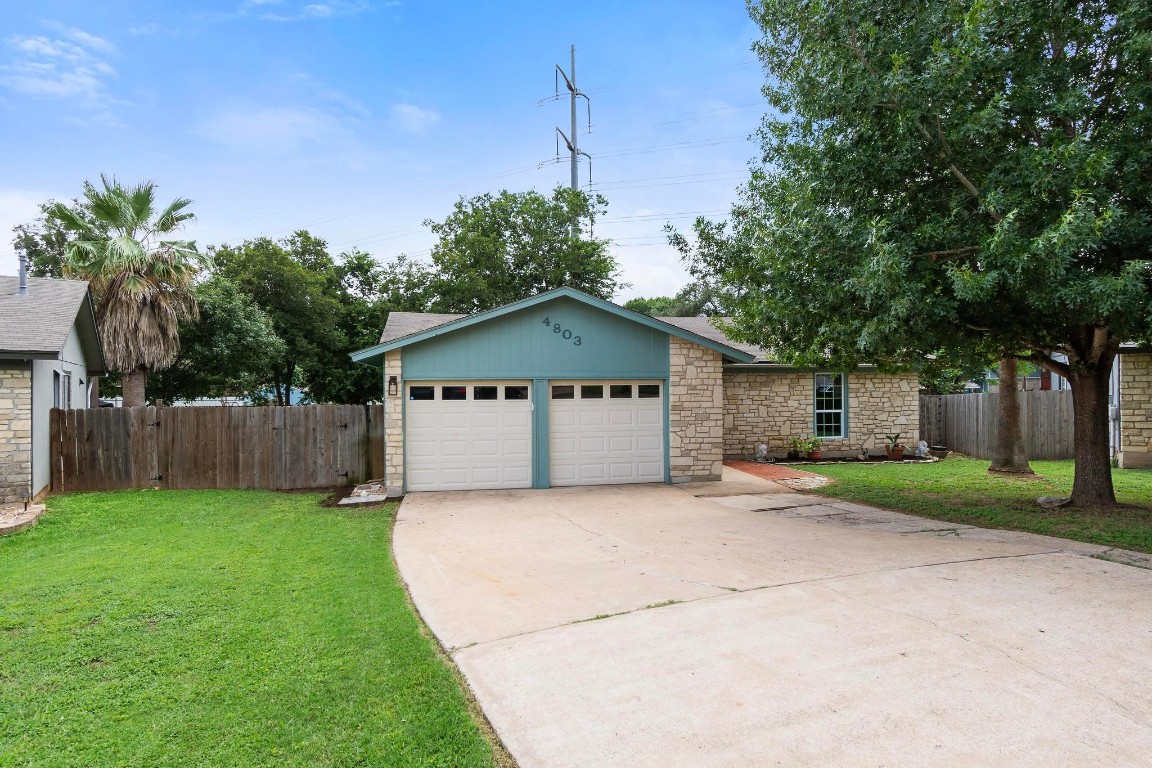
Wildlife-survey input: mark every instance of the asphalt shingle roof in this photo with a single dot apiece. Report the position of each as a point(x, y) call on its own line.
point(702, 326)
point(402, 324)
point(40, 321)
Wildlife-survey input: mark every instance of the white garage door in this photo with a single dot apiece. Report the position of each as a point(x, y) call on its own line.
point(604, 432)
point(469, 434)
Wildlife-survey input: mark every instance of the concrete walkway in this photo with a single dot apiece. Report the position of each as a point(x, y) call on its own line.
point(748, 625)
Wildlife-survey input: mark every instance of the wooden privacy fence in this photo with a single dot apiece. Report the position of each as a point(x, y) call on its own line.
point(967, 423)
point(280, 448)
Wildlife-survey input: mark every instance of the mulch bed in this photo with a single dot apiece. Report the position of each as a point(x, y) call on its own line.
point(769, 471)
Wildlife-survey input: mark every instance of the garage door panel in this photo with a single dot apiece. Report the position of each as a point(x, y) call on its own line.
point(650, 417)
point(466, 444)
point(618, 417)
point(606, 440)
point(650, 444)
point(622, 444)
point(483, 448)
point(517, 447)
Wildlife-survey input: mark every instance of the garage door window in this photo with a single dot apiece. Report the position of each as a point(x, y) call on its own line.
point(453, 393)
point(621, 391)
point(649, 390)
point(485, 393)
point(421, 393)
point(516, 393)
point(591, 391)
point(563, 392)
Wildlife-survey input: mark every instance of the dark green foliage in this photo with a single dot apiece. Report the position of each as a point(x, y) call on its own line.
point(230, 350)
point(949, 177)
point(44, 241)
point(496, 249)
point(690, 301)
point(301, 302)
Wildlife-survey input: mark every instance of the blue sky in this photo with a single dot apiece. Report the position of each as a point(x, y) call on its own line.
point(359, 119)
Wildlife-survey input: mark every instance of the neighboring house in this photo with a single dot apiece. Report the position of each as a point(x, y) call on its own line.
point(49, 355)
point(567, 389)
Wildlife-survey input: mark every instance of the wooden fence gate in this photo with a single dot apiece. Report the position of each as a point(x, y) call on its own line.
point(967, 423)
point(274, 447)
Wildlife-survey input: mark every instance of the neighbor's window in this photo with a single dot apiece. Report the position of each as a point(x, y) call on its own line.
point(421, 393)
point(563, 392)
point(516, 392)
point(649, 390)
point(620, 390)
point(485, 393)
point(830, 405)
point(591, 391)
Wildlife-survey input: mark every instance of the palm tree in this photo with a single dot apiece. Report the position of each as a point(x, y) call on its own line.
point(141, 283)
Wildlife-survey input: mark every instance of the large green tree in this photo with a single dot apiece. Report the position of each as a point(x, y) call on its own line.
point(142, 279)
point(947, 175)
point(495, 249)
point(229, 350)
point(288, 281)
point(44, 241)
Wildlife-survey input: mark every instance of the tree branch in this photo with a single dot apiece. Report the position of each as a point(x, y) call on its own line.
point(1055, 366)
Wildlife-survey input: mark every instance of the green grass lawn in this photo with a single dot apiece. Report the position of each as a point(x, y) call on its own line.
point(960, 490)
point(218, 628)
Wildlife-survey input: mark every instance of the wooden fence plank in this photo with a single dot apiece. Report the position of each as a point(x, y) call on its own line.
point(967, 423)
point(275, 447)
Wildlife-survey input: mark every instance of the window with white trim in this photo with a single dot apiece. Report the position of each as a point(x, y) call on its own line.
point(829, 406)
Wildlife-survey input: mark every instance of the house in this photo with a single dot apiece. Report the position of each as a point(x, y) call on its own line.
point(566, 389)
point(49, 355)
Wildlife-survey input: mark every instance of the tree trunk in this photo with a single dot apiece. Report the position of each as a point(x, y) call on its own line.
point(1092, 486)
point(1009, 454)
point(133, 383)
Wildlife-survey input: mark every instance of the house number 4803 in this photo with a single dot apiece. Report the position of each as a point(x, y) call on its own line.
point(562, 332)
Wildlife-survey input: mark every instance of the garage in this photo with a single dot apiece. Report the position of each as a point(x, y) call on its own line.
point(604, 432)
point(466, 435)
point(559, 389)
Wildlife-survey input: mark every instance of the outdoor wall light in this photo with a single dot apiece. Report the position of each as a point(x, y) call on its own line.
point(393, 385)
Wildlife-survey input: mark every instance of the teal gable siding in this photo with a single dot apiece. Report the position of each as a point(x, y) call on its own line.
point(590, 343)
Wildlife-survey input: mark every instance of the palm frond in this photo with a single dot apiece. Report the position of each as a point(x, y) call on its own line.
point(173, 216)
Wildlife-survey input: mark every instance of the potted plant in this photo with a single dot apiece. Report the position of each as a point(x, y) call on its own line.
point(799, 448)
point(895, 447)
point(814, 447)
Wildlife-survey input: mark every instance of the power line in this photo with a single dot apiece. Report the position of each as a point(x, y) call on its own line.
point(676, 78)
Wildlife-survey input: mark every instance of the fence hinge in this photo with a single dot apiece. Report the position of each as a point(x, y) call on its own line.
point(344, 425)
point(154, 423)
point(158, 479)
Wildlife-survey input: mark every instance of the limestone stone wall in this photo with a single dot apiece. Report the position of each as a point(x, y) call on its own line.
point(695, 412)
point(1135, 411)
point(393, 422)
point(775, 406)
point(15, 432)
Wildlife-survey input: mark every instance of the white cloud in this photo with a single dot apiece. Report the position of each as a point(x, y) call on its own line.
point(53, 67)
point(413, 119)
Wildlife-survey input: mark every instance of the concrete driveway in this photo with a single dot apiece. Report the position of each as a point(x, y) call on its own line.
point(647, 626)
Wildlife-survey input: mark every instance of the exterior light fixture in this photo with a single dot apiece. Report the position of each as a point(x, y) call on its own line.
point(393, 385)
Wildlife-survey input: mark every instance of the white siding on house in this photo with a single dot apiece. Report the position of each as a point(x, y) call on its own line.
point(44, 399)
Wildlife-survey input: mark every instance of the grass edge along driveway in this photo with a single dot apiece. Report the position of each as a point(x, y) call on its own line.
point(961, 490)
point(219, 628)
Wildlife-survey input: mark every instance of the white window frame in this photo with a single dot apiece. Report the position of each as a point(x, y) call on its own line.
point(842, 410)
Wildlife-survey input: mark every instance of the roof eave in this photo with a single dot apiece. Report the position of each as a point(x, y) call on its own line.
point(371, 353)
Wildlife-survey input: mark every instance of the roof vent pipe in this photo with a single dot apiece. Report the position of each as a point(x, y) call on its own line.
point(23, 276)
